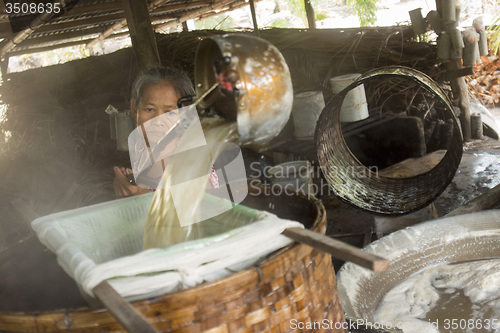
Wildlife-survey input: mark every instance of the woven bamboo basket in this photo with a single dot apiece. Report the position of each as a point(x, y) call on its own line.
point(373, 192)
point(297, 283)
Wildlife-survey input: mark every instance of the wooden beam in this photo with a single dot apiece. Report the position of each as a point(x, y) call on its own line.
point(35, 49)
point(80, 22)
point(155, 7)
point(176, 6)
point(121, 25)
point(141, 33)
point(337, 249)
point(87, 10)
point(254, 18)
point(62, 37)
point(118, 26)
point(310, 14)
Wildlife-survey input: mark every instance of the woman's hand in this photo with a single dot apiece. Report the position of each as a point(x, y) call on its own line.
point(123, 187)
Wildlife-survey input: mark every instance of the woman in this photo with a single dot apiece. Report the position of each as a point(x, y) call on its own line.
point(155, 92)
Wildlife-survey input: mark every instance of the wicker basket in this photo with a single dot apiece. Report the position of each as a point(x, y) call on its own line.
point(297, 283)
point(373, 192)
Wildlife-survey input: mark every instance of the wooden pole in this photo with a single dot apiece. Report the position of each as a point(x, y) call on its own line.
point(125, 314)
point(459, 88)
point(310, 14)
point(141, 33)
point(254, 18)
point(337, 249)
point(439, 6)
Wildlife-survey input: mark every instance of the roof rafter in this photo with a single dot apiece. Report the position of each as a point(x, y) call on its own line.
point(155, 5)
point(196, 13)
point(80, 22)
point(91, 21)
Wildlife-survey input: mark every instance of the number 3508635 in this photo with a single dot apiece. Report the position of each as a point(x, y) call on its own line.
point(32, 8)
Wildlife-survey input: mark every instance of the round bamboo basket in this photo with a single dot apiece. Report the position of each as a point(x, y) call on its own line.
point(370, 191)
point(294, 285)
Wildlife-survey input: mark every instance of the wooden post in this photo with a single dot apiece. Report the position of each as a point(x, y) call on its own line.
point(310, 14)
point(439, 6)
point(141, 33)
point(185, 27)
point(460, 91)
point(254, 18)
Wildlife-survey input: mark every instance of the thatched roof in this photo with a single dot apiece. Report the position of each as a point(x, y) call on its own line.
point(84, 21)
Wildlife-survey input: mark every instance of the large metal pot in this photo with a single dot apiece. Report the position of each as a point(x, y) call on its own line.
point(255, 87)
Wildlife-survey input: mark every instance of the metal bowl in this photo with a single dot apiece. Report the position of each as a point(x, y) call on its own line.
point(255, 87)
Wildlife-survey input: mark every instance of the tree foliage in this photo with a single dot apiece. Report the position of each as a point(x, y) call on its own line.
point(366, 11)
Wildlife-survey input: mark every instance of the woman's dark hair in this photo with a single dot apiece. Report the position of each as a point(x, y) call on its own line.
point(179, 80)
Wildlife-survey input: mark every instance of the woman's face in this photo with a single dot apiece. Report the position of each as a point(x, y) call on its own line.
point(158, 99)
